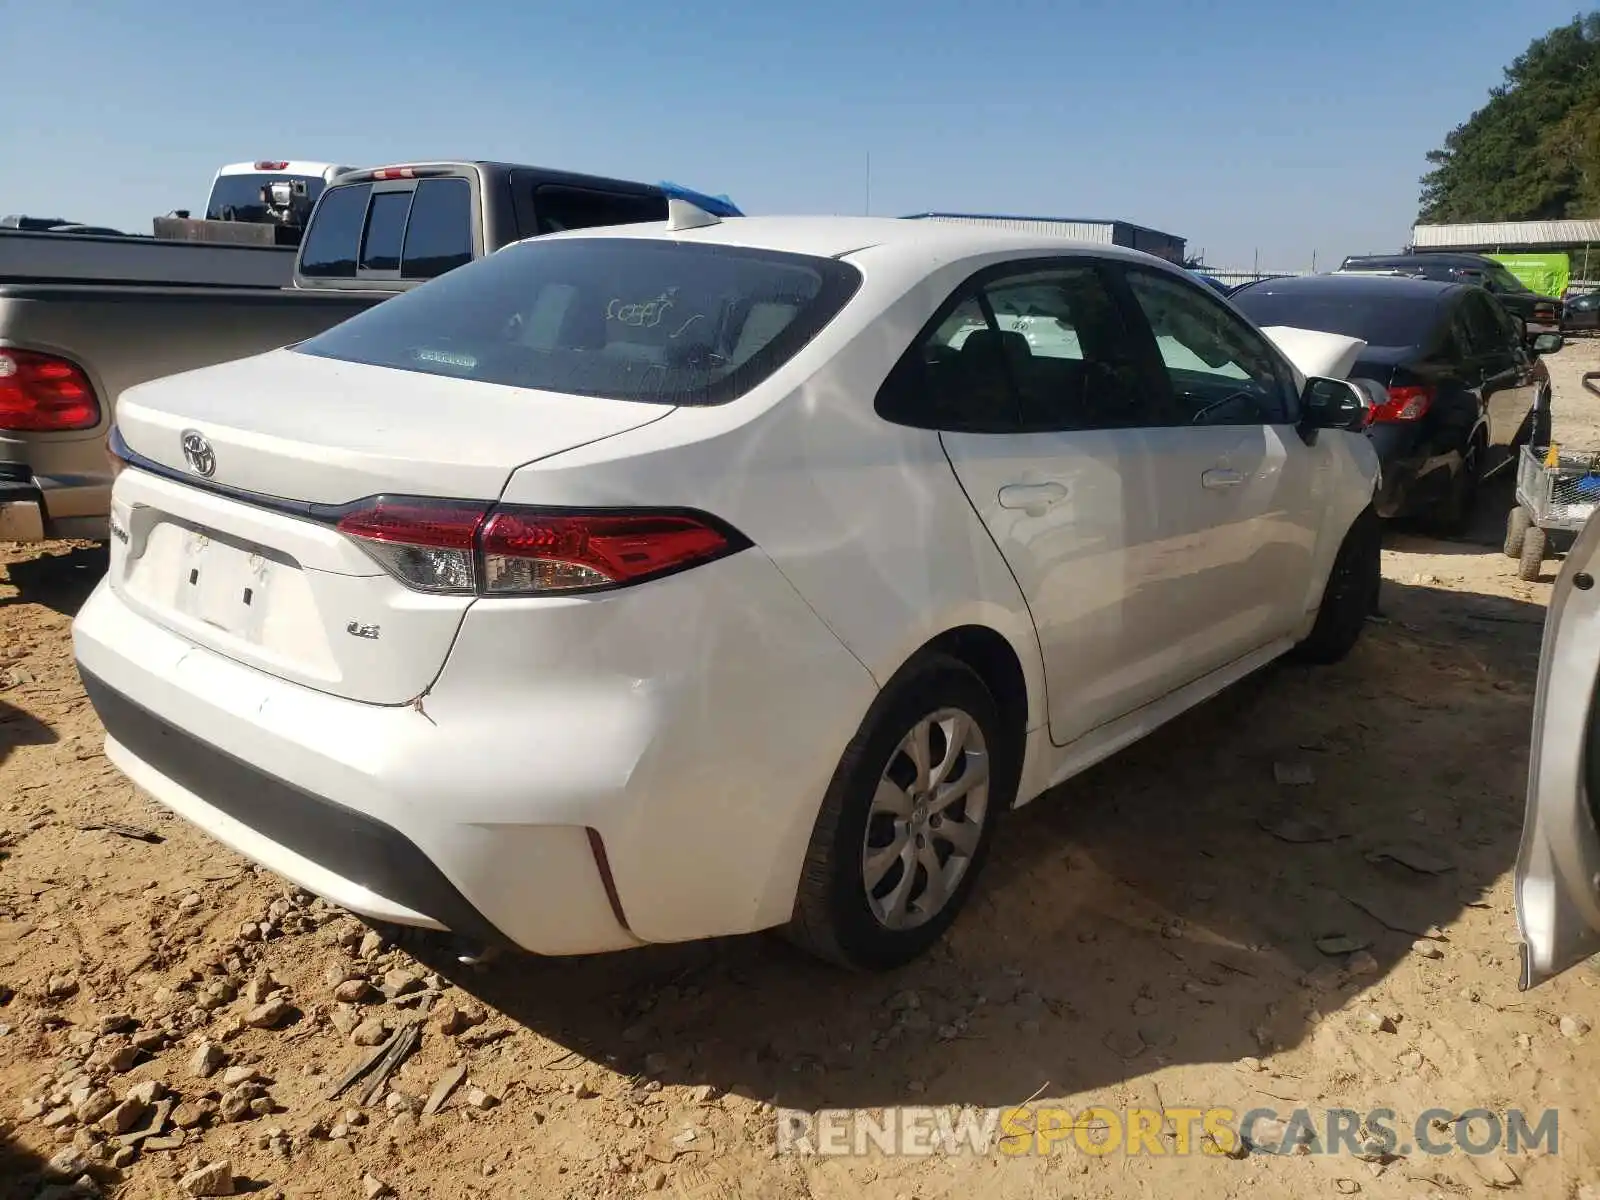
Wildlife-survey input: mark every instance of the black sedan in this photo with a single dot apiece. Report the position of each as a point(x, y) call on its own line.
point(1581, 312)
point(1464, 384)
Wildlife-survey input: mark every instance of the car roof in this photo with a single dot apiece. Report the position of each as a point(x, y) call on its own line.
point(296, 166)
point(1356, 287)
point(1443, 258)
point(890, 238)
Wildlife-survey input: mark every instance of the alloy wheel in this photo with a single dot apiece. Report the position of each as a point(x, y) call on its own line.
point(926, 820)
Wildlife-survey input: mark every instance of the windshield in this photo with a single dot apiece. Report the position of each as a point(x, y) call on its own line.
point(621, 318)
point(238, 197)
point(1506, 280)
point(1376, 320)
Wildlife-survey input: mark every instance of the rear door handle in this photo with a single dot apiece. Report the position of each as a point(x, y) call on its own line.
point(1032, 498)
point(1220, 477)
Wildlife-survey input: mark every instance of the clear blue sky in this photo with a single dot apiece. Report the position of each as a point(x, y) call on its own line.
point(1245, 125)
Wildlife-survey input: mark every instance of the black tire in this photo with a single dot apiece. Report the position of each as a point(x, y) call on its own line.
point(833, 916)
point(1517, 524)
point(1454, 511)
point(1351, 595)
point(1530, 562)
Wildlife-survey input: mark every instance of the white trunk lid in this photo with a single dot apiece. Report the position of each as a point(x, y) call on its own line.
point(258, 577)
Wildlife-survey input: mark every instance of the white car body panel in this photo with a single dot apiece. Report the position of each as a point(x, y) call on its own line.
point(328, 171)
point(330, 432)
point(690, 724)
point(362, 431)
point(1313, 352)
point(1141, 577)
point(1558, 863)
point(667, 738)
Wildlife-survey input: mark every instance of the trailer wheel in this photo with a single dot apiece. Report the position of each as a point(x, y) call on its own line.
point(1517, 523)
point(1531, 561)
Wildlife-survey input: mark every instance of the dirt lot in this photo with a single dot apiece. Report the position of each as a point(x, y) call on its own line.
point(1148, 938)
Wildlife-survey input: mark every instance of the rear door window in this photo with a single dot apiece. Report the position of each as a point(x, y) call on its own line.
point(1070, 356)
point(1029, 347)
point(333, 239)
point(555, 207)
point(439, 233)
point(618, 318)
point(560, 208)
point(953, 377)
point(1484, 336)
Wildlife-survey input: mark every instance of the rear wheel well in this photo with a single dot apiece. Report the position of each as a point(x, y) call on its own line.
point(991, 656)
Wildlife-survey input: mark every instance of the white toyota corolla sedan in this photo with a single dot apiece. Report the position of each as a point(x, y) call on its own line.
point(662, 582)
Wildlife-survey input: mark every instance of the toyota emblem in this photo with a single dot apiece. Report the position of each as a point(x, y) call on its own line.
point(197, 452)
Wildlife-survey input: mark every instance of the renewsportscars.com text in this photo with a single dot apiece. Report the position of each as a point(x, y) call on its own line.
point(1043, 1129)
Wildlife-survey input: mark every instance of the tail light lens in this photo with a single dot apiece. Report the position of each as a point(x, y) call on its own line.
point(426, 544)
point(43, 393)
point(464, 548)
point(532, 553)
point(1405, 403)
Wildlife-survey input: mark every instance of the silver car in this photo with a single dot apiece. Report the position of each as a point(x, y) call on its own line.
point(1558, 865)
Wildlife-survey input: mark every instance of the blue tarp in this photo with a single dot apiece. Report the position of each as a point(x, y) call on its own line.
point(717, 206)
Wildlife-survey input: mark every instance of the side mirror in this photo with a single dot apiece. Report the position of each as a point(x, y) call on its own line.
point(1548, 343)
point(1335, 404)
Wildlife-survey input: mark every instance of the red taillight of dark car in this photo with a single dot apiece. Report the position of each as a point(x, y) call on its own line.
point(466, 548)
point(1405, 403)
point(44, 393)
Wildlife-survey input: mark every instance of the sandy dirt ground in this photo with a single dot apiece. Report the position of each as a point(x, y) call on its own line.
point(1147, 938)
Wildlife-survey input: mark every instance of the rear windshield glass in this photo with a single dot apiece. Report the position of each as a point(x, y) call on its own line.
point(439, 230)
point(238, 197)
point(1376, 320)
point(621, 318)
point(329, 249)
point(386, 225)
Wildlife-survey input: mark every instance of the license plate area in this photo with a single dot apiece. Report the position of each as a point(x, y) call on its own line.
point(216, 580)
point(227, 584)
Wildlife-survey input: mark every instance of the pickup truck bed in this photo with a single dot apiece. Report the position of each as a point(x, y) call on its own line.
point(57, 483)
point(372, 234)
point(27, 256)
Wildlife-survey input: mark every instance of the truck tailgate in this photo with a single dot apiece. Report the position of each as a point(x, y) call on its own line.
point(125, 335)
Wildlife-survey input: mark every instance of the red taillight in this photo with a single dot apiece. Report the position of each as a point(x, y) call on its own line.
point(426, 544)
point(1405, 403)
point(531, 553)
point(40, 393)
point(272, 166)
point(395, 173)
point(464, 548)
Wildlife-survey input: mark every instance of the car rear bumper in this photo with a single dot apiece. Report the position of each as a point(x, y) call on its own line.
point(516, 801)
point(21, 509)
point(35, 507)
point(361, 862)
point(1412, 481)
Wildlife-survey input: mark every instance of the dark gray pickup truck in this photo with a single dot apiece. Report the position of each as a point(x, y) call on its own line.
point(67, 350)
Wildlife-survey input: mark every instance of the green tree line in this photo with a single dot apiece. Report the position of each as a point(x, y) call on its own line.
point(1532, 153)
